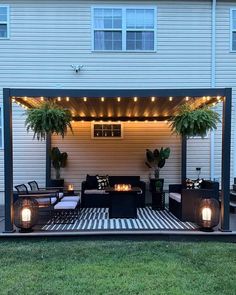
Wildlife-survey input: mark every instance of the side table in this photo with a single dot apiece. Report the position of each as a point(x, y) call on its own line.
point(158, 200)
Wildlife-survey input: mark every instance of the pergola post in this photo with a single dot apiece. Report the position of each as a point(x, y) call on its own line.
point(8, 160)
point(183, 159)
point(226, 151)
point(48, 159)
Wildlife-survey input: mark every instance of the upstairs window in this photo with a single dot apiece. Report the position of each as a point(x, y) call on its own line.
point(4, 22)
point(124, 29)
point(233, 29)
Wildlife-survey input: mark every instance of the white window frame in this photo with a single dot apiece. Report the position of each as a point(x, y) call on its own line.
point(124, 29)
point(232, 30)
point(107, 123)
point(7, 22)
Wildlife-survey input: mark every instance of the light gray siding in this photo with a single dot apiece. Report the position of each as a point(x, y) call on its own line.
point(47, 36)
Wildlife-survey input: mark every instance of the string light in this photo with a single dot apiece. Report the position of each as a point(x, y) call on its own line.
point(208, 98)
point(170, 98)
point(25, 98)
point(85, 99)
point(187, 98)
point(218, 98)
point(118, 99)
point(67, 99)
point(153, 98)
point(135, 99)
point(59, 98)
point(42, 98)
point(102, 99)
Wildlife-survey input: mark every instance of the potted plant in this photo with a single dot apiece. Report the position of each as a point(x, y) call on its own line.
point(156, 160)
point(194, 122)
point(59, 160)
point(49, 118)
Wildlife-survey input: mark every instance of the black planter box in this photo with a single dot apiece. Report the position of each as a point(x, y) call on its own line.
point(158, 200)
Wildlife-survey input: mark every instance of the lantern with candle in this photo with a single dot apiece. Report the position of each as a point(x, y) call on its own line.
point(70, 189)
point(208, 214)
point(25, 213)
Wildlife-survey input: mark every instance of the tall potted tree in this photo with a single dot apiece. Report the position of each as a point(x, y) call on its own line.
point(156, 160)
point(59, 160)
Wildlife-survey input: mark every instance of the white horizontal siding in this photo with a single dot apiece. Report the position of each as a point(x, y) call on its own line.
point(225, 77)
point(46, 37)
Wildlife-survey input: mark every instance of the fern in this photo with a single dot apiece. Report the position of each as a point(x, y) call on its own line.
point(48, 118)
point(190, 122)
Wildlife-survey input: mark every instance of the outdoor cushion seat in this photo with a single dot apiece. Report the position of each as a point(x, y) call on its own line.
point(95, 192)
point(70, 199)
point(176, 197)
point(60, 195)
point(66, 205)
point(46, 201)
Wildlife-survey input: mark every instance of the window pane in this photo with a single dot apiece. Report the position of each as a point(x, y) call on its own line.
point(3, 31)
point(140, 18)
point(107, 40)
point(3, 14)
point(234, 41)
point(140, 41)
point(107, 18)
point(1, 143)
point(234, 19)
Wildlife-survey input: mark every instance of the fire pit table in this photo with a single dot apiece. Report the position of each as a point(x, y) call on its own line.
point(123, 203)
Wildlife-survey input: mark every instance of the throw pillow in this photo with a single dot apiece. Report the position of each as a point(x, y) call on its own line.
point(193, 184)
point(103, 182)
point(91, 182)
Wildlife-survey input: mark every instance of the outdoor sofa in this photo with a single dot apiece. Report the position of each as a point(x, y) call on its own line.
point(92, 197)
point(183, 202)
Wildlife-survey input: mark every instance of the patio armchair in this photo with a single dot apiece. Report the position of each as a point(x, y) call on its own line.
point(183, 202)
point(44, 198)
point(35, 188)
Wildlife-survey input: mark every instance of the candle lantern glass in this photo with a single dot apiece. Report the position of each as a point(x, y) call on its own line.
point(25, 213)
point(208, 214)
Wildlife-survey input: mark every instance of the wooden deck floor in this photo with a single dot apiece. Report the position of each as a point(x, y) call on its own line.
point(143, 234)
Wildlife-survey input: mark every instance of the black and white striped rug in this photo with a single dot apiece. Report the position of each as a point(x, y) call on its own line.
point(97, 219)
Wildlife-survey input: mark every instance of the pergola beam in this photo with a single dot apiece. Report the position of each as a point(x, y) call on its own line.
point(225, 161)
point(117, 92)
point(8, 161)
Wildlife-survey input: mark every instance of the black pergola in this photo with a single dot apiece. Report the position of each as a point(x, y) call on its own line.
point(162, 94)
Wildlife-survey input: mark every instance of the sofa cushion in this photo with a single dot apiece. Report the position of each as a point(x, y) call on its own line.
point(103, 182)
point(91, 182)
point(176, 197)
point(95, 192)
point(71, 198)
point(133, 180)
point(46, 201)
point(65, 205)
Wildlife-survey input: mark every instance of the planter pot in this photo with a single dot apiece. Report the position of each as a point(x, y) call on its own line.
point(156, 185)
point(56, 183)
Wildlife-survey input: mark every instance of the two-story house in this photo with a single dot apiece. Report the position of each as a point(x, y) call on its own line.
point(116, 45)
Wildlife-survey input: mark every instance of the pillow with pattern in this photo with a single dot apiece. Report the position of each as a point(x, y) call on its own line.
point(103, 182)
point(193, 184)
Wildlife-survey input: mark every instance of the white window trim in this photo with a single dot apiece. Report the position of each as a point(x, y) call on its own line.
point(107, 138)
point(232, 30)
point(124, 8)
point(7, 22)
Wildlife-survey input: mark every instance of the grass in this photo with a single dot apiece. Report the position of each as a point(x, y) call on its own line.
point(117, 267)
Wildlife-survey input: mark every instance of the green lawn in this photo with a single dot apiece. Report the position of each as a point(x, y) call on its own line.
point(117, 267)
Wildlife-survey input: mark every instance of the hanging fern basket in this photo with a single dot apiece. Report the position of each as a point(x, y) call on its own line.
point(194, 122)
point(49, 118)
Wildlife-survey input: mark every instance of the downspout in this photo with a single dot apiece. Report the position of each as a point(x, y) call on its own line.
point(213, 82)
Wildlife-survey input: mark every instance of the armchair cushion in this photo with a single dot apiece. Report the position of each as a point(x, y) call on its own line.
point(176, 197)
